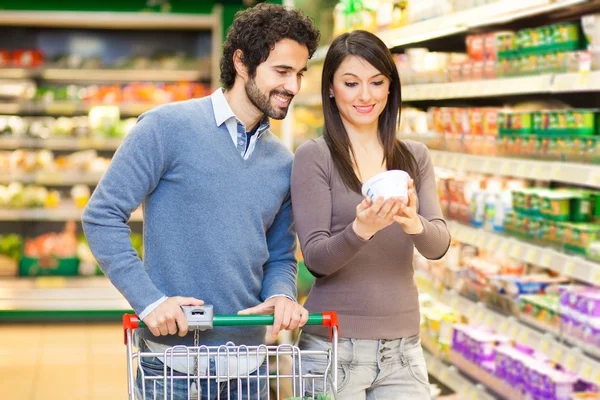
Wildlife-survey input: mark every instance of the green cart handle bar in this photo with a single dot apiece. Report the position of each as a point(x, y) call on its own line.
point(131, 321)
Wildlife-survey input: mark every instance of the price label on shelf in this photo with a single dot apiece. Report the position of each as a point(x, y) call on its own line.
point(492, 244)
point(480, 240)
point(594, 178)
point(556, 355)
point(462, 164)
point(504, 327)
point(531, 256)
point(538, 172)
point(504, 246)
point(521, 169)
point(546, 259)
point(513, 332)
point(523, 336)
point(569, 267)
point(596, 377)
point(570, 363)
point(454, 302)
point(595, 275)
point(51, 282)
point(516, 251)
point(544, 346)
point(586, 371)
point(506, 168)
point(49, 178)
point(62, 108)
point(583, 79)
point(489, 321)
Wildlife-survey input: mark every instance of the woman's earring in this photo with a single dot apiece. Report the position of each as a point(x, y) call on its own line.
point(331, 95)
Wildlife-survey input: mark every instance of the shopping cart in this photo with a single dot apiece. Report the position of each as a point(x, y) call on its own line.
point(202, 318)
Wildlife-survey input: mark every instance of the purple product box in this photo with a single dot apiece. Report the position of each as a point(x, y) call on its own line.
point(589, 303)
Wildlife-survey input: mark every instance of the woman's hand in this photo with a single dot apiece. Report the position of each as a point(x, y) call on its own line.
point(371, 217)
point(407, 216)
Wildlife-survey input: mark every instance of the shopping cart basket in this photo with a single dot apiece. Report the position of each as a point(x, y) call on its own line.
point(202, 318)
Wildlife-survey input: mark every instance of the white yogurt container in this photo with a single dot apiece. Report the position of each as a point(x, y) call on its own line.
point(393, 183)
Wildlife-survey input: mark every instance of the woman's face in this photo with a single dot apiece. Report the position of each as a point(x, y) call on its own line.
point(360, 91)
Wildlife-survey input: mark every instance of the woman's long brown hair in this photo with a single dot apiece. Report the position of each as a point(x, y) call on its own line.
point(396, 155)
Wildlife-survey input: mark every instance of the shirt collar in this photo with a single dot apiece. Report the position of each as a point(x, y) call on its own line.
point(223, 112)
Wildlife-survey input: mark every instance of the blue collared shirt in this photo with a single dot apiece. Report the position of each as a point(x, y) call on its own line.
point(224, 115)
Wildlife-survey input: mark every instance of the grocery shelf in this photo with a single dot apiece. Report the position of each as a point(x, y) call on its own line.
point(59, 143)
point(52, 178)
point(119, 75)
point(572, 358)
point(60, 298)
point(453, 379)
point(524, 85)
point(110, 20)
point(481, 375)
point(500, 12)
point(577, 174)
point(18, 73)
point(61, 213)
point(70, 108)
point(568, 265)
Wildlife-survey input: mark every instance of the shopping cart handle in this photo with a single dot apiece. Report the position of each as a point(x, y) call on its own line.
point(329, 319)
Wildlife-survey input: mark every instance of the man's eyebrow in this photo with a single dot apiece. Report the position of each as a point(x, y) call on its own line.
point(289, 68)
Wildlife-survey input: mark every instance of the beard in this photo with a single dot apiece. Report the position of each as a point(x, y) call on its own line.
point(263, 103)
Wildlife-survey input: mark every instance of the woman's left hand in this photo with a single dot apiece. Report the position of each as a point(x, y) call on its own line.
point(407, 215)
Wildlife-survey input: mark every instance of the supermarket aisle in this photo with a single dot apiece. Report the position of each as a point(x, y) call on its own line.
point(62, 361)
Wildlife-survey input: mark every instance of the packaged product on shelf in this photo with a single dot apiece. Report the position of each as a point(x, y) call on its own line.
point(543, 308)
point(51, 254)
point(27, 58)
point(11, 248)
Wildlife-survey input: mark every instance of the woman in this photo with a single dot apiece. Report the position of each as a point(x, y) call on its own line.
point(361, 251)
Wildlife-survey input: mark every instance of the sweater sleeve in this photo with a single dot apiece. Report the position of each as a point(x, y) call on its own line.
point(281, 269)
point(323, 252)
point(134, 172)
point(434, 241)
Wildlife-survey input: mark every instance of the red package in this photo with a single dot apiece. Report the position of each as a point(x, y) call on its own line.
point(477, 73)
point(455, 72)
point(490, 121)
point(475, 47)
point(467, 71)
point(489, 69)
point(27, 58)
point(4, 58)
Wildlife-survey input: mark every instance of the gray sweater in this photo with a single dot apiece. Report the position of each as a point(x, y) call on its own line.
point(368, 283)
point(214, 227)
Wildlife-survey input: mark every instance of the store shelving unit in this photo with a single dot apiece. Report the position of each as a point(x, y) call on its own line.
point(572, 358)
point(453, 379)
point(58, 143)
point(546, 171)
point(60, 298)
point(525, 85)
point(52, 178)
point(61, 213)
point(566, 264)
point(51, 298)
point(104, 75)
point(501, 12)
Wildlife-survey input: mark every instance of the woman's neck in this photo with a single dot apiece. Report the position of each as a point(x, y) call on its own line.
point(365, 137)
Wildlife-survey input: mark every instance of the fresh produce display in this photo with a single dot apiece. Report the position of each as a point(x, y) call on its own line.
point(27, 161)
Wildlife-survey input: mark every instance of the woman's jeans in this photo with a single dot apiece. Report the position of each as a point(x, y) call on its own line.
point(370, 369)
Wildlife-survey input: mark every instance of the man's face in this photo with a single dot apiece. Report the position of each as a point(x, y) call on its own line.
point(278, 79)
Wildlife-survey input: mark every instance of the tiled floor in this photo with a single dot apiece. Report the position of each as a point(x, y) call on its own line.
point(62, 362)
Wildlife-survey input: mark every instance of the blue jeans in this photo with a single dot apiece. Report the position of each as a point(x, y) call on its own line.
point(370, 369)
point(242, 389)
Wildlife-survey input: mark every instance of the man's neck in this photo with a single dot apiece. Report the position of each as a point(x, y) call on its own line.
point(242, 107)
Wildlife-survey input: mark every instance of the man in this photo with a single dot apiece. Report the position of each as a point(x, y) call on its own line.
point(215, 187)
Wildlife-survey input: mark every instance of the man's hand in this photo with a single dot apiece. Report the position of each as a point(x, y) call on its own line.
point(168, 318)
point(287, 313)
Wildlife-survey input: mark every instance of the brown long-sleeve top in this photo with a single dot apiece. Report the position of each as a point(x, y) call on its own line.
point(369, 283)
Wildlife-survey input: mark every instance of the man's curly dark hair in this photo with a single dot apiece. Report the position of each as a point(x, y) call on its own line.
point(256, 30)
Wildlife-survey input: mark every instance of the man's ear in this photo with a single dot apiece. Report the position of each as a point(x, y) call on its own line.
point(238, 63)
